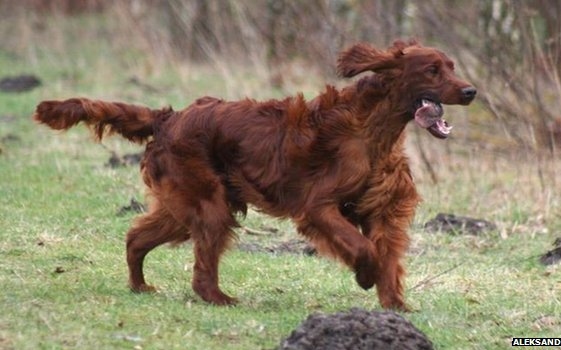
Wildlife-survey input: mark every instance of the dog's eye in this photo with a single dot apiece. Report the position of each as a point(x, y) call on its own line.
point(432, 70)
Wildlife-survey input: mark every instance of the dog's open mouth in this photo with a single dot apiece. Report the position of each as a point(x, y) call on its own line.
point(428, 115)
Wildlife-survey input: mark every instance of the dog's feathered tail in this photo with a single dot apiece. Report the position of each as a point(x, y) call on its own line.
point(132, 122)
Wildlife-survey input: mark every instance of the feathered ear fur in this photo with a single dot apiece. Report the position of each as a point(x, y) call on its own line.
point(364, 57)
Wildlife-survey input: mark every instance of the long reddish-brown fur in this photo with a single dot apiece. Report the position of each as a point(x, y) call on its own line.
point(335, 165)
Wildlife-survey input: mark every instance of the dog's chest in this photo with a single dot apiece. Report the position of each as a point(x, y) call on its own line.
point(389, 188)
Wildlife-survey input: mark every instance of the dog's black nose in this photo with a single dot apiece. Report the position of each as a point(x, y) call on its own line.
point(469, 93)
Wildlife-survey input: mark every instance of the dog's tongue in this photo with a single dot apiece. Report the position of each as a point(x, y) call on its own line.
point(429, 116)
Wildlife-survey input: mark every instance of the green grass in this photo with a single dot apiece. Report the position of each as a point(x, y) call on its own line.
point(62, 266)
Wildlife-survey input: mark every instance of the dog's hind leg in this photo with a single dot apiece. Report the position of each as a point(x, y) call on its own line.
point(205, 271)
point(199, 202)
point(212, 234)
point(149, 231)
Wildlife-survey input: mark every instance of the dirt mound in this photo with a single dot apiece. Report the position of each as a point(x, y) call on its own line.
point(134, 207)
point(357, 329)
point(553, 256)
point(116, 161)
point(19, 83)
point(455, 224)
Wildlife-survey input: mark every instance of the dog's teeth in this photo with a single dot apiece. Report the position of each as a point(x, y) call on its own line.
point(425, 102)
point(445, 127)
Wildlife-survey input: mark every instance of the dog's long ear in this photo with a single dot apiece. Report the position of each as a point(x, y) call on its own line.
point(363, 57)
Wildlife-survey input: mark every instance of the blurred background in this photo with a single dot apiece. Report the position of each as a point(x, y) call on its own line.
point(511, 50)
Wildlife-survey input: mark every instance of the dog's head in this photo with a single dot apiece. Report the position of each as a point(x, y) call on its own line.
point(421, 78)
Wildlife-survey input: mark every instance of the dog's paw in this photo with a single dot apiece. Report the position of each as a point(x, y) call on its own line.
point(224, 300)
point(213, 295)
point(396, 304)
point(365, 271)
point(143, 288)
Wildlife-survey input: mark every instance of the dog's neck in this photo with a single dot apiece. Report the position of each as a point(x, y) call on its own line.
point(374, 106)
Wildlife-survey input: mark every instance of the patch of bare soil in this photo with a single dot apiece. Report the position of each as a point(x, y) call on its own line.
point(553, 256)
point(117, 161)
point(19, 83)
point(134, 206)
point(293, 246)
point(10, 138)
point(356, 329)
point(455, 224)
point(267, 239)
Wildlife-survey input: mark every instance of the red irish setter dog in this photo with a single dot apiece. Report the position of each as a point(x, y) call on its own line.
point(335, 164)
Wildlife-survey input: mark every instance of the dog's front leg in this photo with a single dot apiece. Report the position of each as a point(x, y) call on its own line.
point(391, 243)
point(386, 210)
point(386, 226)
point(333, 235)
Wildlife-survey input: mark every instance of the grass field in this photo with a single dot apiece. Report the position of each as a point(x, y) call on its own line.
point(62, 266)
